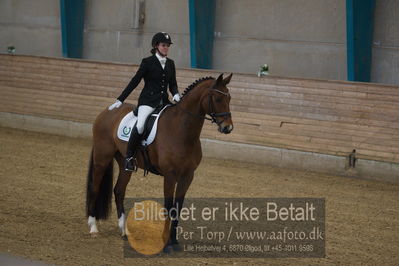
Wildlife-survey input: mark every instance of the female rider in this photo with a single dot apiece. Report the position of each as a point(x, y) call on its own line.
point(158, 72)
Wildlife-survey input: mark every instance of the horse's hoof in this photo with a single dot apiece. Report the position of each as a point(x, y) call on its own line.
point(94, 234)
point(167, 249)
point(124, 237)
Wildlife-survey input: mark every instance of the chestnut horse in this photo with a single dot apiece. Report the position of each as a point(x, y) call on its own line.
point(175, 152)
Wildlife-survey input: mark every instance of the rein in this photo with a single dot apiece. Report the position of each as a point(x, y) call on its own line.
point(212, 114)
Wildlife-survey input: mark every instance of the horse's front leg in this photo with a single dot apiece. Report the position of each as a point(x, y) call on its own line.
point(181, 190)
point(169, 186)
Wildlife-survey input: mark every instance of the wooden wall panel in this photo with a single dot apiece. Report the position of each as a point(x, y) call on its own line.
point(329, 117)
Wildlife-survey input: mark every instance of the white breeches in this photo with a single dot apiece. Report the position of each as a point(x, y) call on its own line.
point(143, 113)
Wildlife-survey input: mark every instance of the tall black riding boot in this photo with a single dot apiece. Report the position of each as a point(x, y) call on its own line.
point(134, 141)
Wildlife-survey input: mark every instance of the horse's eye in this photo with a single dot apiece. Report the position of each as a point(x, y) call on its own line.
point(218, 99)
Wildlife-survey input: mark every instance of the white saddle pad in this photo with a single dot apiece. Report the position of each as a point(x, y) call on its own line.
point(127, 124)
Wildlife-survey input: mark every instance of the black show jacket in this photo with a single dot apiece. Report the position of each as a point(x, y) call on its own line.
point(156, 81)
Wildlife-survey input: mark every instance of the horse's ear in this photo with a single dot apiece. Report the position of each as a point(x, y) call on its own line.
point(219, 80)
point(227, 80)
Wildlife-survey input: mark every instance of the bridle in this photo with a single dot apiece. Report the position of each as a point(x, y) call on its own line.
point(212, 114)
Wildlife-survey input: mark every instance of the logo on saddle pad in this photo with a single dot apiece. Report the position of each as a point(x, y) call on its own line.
point(127, 123)
point(126, 131)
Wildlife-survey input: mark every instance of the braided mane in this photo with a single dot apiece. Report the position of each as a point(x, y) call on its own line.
point(195, 83)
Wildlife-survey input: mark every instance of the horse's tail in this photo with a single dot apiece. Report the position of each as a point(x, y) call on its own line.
point(103, 202)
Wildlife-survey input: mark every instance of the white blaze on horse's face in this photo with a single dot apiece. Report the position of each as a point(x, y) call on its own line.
point(219, 105)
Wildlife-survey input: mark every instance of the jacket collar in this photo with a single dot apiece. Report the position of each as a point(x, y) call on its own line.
point(156, 61)
point(159, 57)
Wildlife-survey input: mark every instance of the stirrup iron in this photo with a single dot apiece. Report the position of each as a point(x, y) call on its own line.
point(131, 164)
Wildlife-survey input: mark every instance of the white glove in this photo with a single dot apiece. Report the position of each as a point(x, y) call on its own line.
point(117, 104)
point(176, 97)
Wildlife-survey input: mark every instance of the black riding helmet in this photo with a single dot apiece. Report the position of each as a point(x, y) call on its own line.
point(160, 37)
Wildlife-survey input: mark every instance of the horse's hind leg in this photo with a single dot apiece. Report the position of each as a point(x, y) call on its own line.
point(99, 186)
point(119, 191)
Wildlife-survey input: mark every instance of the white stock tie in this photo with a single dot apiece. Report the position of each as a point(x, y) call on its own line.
point(163, 62)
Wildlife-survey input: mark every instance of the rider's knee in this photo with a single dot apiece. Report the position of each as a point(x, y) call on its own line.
point(140, 128)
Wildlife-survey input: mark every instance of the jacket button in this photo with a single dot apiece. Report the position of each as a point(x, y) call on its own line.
point(163, 75)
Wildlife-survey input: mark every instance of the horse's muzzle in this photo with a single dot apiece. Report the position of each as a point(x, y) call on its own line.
point(226, 129)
